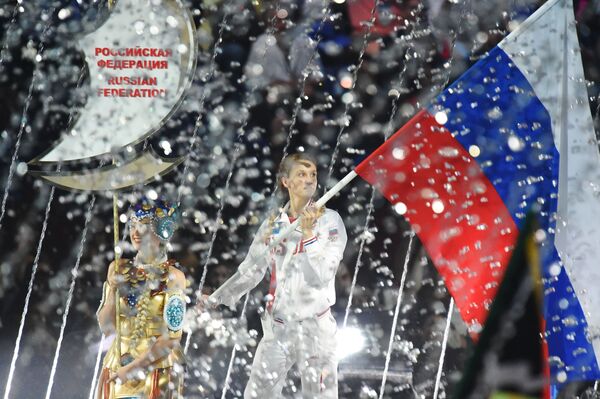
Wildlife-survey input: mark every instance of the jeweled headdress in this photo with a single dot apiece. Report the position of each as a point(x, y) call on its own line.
point(161, 214)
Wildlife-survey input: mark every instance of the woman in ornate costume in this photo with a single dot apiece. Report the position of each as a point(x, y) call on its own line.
point(151, 308)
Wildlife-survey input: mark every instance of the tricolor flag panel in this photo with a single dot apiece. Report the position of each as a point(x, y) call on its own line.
point(514, 133)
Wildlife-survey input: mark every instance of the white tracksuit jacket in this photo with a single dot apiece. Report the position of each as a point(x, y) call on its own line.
point(305, 269)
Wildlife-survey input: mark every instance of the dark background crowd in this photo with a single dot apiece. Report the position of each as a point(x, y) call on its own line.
point(247, 108)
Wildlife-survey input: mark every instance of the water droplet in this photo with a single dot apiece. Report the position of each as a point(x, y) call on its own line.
point(554, 269)
point(540, 235)
point(270, 40)
point(399, 153)
point(441, 117)
point(203, 180)
point(282, 13)
point(346, 82)
point(400, 208)
point(21, 168)
point(448, 152)
point(474, 151)
point(475, 328)
point(399, 177)
point(172, 21)
point(64, 13)
point(139, 27)
point(495, 113)
point(515, 143)
point(347, 98)
point(153, 195)
point(563, 304)
point(182, 49)
point(437, 206)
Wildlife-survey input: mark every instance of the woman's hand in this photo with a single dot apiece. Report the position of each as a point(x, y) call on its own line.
point(122, 375)
point(114, 280)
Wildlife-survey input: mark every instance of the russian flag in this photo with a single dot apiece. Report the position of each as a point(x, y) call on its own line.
point(514, 133)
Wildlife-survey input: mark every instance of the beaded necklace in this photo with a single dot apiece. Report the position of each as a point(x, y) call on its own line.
point(143, 282)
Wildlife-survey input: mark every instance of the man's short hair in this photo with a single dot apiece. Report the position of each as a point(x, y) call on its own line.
point(286, 165)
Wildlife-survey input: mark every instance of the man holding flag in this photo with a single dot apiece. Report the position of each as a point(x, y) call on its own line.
point(298, 327)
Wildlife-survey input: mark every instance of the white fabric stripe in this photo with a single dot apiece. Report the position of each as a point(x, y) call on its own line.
point(536, 48)
point(546, 50)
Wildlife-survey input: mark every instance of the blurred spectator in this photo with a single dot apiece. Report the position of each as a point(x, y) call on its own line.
point(280, 58)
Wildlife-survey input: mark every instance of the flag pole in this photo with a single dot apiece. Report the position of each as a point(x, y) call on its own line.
point(336, 189)
point(117, 251)
point(117, 260)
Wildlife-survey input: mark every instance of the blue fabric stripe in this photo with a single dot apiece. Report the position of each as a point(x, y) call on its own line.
point(310, 241)
point(493, 106)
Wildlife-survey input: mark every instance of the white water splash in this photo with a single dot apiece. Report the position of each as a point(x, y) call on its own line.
point(36, 261)
point(444, 344)
point(74, 272)
point(233, 352)
point(13, 161)
point(388, 355)
point(96, 367)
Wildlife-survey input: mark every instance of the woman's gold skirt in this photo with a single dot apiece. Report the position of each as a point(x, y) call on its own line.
point(164, 383)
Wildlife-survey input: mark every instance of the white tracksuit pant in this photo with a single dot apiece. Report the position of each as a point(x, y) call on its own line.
point(310, 343)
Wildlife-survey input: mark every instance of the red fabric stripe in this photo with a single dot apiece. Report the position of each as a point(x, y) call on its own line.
point(321, 383)
point(309, 241)
point(171, 391)
point(471, 240)
point(545, 359)
point(272, 286)
point(154, 388)
point(299, 247)
point(103, 384)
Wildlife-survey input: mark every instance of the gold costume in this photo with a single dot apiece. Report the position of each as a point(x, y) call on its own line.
point(142, 319)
